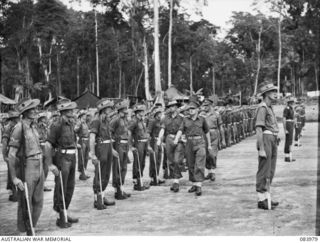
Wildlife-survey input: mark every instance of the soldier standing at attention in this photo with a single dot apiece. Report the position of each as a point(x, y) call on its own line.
point(288, 126)
point(60, 157)
point(119, 130)
point(43, 133)
point(102, 152)
point(138, 143)
point(82, 130)
point(267, 135)
point(13, 118)
point(175, 152)
point(194, 128)
point(26, 151)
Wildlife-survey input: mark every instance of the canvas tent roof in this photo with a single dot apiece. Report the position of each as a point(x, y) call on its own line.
point(86, 100)
point(173, 93)
point(6, 100)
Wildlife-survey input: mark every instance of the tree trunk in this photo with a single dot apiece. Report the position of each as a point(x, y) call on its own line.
point(279, 57)
point(170, 46)
point(316, 75)
point(97, 53)
point(146, 70)
point(213, 82)
point(156, 48)
point(259, 61)
point(78, 76)
point(137, 86)
point(59, 74)
point(120, 81)
point(190, 69)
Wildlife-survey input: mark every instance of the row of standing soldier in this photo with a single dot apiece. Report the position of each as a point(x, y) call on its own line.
point(192, 132)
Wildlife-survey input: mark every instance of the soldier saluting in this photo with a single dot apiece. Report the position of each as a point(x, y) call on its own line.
point(26, 151)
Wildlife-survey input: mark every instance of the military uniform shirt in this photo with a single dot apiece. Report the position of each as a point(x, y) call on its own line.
point(213, 120)
point(119, 128)
point(43, 132)
point(62, 135)
point(31, 138)
point(288, 113)
point(154, 127)
point(101, 129)
point(83, 130)
point(195, 127)
point(138, 129)
point(266, 118)
point(171, 124)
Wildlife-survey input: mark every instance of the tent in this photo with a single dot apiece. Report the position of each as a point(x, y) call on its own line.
point(6, 100)
point(86, 100)
point(173, 93)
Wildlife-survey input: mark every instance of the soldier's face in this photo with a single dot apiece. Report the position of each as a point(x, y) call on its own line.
point(31, 114)
point(272, 95)
point(192, 111)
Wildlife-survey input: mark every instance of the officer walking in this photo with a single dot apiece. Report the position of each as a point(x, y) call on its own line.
point(194, 128)
point(60, 157)
point(25, 150)
point(267, 135)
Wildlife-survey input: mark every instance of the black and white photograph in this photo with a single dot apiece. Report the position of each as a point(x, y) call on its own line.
point(159, 118)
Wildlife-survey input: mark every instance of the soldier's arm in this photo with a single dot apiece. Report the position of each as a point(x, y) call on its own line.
point(11, 162)
point(260, 145)
point(131, 128)
point(284, 120)
point(4, 149)
point(160, 136)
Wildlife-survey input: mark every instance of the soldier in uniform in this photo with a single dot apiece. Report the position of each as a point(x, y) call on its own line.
point(194, 128)
point(267, 142)
point(102, 152)
point(25, 145)
point(138, 143)
point(298, 125)
point(214, 122)
point(119, 130)
point(288, 126)
point(13, 118)
point(169, 128)
point(82, 130)
point(153, 129)
point(60, 156)
point(43, 133)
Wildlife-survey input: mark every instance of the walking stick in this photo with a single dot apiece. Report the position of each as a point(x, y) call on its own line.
point(121, 186)
point(268, 194)
point(63, 199)
point(28, 207)
point(155, 166)
point(139, 168)
point(99, 171)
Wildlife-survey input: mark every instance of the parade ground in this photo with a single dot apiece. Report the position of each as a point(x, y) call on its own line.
point(227, 206)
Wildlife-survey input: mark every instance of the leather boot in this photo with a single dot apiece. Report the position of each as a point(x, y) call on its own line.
point(98, 204)
point(61, 221)
point(120, 195)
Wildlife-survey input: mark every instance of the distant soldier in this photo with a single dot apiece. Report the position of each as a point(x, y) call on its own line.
point(214, 122)
point(25, 150)
point(42, 127)
point(194, 128)
point(60, 156)
point(267, 142)
point(175, 152)
point(288, 126)
point(153, 129)
point(119, 130)
point(102, 152)
point(298, 124)
point(13, 118)
point(138, 143)
point(82, 130)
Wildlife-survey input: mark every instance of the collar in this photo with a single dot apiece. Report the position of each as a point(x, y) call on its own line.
point(28, 122)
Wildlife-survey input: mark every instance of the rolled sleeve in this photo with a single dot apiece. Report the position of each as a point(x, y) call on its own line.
point(53, 134)
point(261, 117)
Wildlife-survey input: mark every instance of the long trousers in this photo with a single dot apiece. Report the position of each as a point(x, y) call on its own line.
point(196, 159)
point(66, 163)
point(139, 161)
point(175, 156)
point(297, 132)
point(83, 155)
point(119, 170)
point(211, 155)
point(104, 155)
point(267, 166)
point(289, 138)
point(34, 177)
point(155, 160)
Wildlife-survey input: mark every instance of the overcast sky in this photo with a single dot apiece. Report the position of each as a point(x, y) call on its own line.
point(217, 12)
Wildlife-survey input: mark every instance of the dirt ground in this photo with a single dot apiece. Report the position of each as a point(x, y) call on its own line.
point(227, 207)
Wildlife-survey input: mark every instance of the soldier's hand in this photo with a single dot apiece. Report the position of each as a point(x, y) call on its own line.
point(150, 149)
point(54, 170)
point(95, 162)
point(175, 142)
point(133, 149)
point(210, 147)
point(18, 183)
point(262, 153)
point(115, 153)
point(159, 142)
point(287, 132)
point(78, 146)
